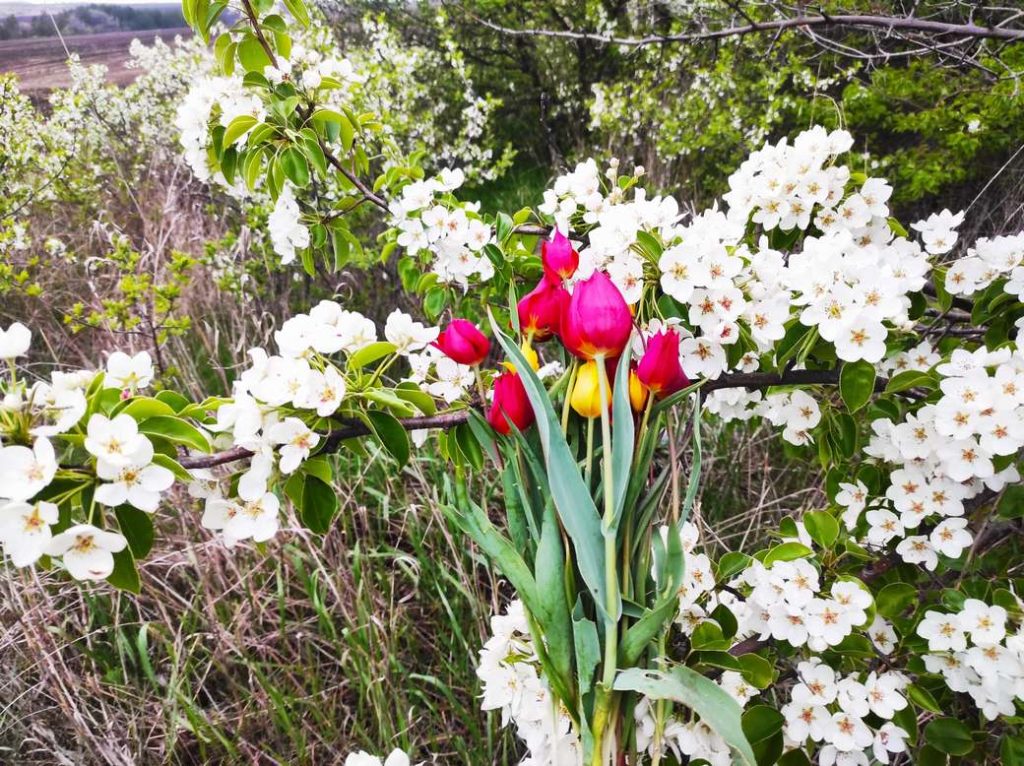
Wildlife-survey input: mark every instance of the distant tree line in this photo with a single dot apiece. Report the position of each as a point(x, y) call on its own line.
point(91, 19)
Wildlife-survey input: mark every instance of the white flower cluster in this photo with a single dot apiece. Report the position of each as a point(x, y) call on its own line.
point(987, 261)
point(284, 224)
point(510, 672)
point(124, 464)
point(688, 741)
point(976, 654)
point(428, 219)
point(797, 412)
point(312, 65)
point(267, 398)
point(785, 603)
point(833, 710)
point(220, 98)
point(440, 375)
point(946, 454)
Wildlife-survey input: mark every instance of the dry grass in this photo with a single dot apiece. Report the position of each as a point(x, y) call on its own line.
point(295, 653)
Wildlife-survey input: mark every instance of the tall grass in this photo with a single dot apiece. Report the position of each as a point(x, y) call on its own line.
point(291, 653)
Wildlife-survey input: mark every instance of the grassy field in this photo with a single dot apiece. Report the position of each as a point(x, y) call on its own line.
point(40, 62)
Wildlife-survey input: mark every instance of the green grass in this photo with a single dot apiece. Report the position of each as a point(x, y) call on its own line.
point(299, 653)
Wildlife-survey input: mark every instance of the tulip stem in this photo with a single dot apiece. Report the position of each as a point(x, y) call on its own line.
point(611, 638)
point(568, 397)
point(587, 470)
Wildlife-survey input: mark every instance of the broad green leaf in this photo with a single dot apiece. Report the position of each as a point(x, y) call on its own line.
point(295, 166)
point(318, 505)
point(370, 354)
point(716, 708)
point(949, 735)
point(391, 434)
point(1012, 751)
point(125, 575)
point(252, 56)
point(761, 722)
point(893, 599)
point(909, 379)
point(416, 396)
point(822, 528)
point(856, 384)
point(923, 698)
point(175, 430)
point(756, 670)
point(297, 9)
point(395, 404)
point(573, 500)
point(237, 128)
point(137, 527)
point(341, 123)
point(786, 552)
point(144, 407)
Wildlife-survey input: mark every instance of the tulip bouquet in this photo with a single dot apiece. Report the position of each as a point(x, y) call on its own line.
point(599, 587)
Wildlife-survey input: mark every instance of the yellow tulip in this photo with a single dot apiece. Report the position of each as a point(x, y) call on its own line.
point(637, 392)
point(586, 394)
point(529, 353)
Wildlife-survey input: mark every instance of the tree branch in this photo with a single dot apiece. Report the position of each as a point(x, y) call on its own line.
point(888, 23)
point(333, 439)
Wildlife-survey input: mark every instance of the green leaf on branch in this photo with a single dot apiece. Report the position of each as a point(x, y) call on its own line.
point(948, 735)
point(909, 379)
point(856, 384)
point(137, 527)
point(237, 128)
point(786, 552)
point(126, 574)
point(318, 504)
point(716, 708)
point(894, 598)
point(371, 353)
point(297, 9)
point(251, 55)
point(762, 725)
point(175, 430)
point(822, 528)
point(391, 435)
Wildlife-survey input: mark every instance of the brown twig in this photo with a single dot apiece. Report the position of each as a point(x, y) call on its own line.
point(889, 23)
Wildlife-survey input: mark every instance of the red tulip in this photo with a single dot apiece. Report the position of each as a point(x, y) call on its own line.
point(596, 321)
point(659, 368)
point(540, 311)
point(463, 342)
point(510, 403)
point(559, 257)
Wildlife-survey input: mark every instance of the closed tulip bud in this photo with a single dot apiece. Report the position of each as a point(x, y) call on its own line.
point(510, 403)
point(540, 311)
point(586, 393)
point(637, 392)
point(659, 368)
point(596, 321)
point(463, 342)
point(559, 257)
